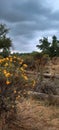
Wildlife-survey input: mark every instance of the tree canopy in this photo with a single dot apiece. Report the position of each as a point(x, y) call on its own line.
point(5, 42)
point(50, 48)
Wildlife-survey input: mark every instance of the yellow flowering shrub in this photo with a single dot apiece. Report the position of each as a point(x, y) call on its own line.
point(12, 67)
point(12, 74)
point(13, 78)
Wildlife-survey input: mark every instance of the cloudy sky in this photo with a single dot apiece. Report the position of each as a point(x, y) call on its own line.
point(30, 20)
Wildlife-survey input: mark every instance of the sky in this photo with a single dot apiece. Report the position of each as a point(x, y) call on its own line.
point(29, 21)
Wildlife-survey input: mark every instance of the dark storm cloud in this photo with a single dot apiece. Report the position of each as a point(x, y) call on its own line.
point(27, 17)
point(23, 10)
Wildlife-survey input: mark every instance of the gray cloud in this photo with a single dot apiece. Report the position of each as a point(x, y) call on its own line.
point(26, 19)
point(13, 11)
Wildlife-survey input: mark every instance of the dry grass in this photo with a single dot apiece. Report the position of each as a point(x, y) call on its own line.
point(35, 115)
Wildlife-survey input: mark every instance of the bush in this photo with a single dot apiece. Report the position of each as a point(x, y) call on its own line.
point(12, 72)
point(47, 87)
